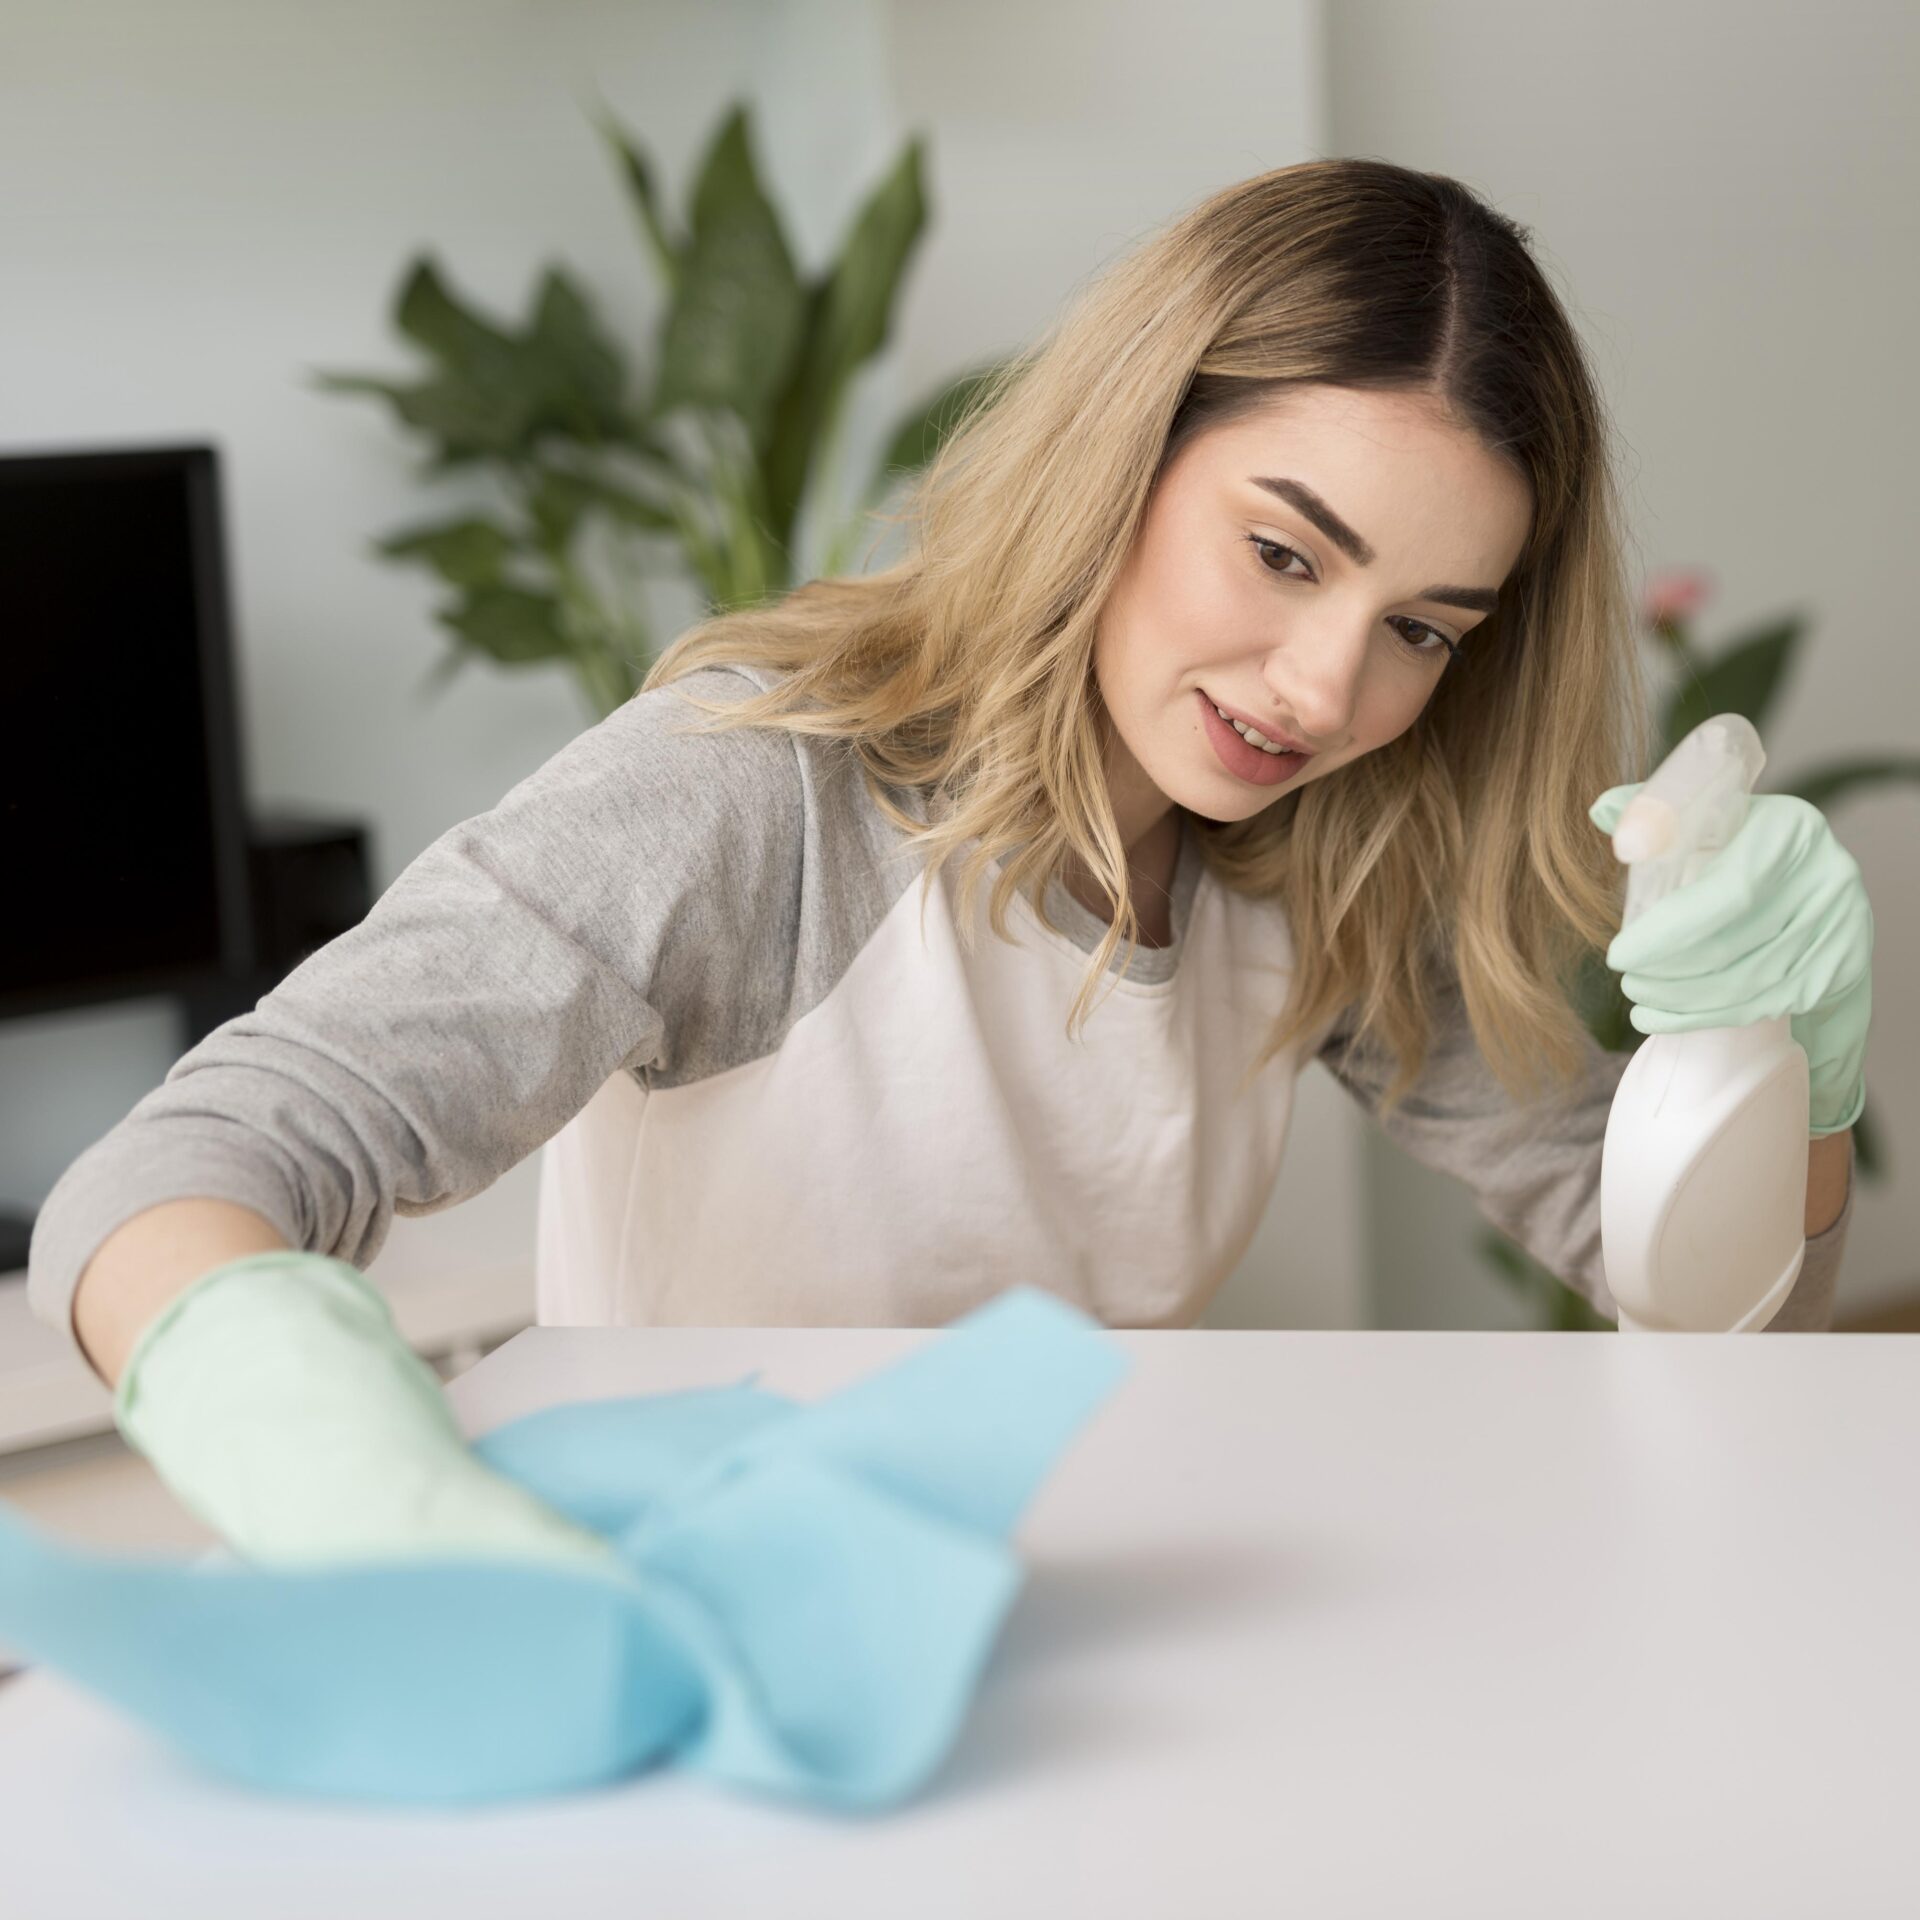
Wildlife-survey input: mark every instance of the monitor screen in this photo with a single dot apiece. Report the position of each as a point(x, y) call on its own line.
point(122, 833)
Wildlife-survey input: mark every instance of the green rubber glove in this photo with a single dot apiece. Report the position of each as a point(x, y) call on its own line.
point(277, 1400)
point(1779, 923)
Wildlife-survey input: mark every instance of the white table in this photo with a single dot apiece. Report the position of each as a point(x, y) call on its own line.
point(1316, 1623)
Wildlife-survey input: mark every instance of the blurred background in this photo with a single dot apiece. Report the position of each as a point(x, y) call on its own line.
point(210, 210)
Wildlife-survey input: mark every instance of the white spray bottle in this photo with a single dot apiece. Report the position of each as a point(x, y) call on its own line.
point(1703, 1173)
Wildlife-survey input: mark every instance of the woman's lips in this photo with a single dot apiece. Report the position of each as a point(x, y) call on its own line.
point(1240, 757)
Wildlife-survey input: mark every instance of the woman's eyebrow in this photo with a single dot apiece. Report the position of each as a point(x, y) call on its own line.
point(1298, 494)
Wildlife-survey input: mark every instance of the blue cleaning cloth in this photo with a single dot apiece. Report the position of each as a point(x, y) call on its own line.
point(808, 1598)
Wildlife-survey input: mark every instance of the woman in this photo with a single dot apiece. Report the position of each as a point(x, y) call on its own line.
point(1321, 466)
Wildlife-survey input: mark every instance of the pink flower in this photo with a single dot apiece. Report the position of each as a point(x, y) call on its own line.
point(1672, 596)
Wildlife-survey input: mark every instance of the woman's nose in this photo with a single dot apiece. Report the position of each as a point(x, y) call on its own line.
point(1315, 678)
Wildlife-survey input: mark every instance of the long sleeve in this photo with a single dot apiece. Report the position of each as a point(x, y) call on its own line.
point(1534, 1170)
point(632, 895)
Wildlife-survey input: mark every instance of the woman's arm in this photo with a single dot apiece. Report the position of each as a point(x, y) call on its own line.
point(1535, 1171)
point(1829, 1170)
point(532, 951)
point(149, 1259)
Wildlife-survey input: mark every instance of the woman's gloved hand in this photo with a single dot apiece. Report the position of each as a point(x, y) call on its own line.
point(1778, 923)
point(277, 1400)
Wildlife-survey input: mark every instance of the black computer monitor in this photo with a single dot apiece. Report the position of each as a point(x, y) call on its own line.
point(123, 838)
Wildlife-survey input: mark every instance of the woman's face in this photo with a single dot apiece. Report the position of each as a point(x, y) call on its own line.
point(1299, 568)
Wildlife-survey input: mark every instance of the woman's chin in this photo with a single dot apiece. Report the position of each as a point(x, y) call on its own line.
point(1223, 797)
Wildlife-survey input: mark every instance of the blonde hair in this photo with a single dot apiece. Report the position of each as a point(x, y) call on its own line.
point(964, 673)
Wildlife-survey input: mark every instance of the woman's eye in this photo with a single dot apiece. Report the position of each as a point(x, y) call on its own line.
point(1266, 546)
point(1427, 642)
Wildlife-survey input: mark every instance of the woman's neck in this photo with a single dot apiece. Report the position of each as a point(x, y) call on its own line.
point(1152, 858)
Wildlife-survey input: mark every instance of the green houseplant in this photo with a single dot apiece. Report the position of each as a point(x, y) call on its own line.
point(600, 478)
point(1745, 676)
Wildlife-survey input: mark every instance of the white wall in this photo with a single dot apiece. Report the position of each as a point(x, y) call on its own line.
point(209, 200)
point(1727, 191)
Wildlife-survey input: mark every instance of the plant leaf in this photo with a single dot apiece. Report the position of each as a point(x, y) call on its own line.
point(495, 394)
point(575, 371)
point(1823, 785)
point(918, 436)
point(556, 502)
point(466, 344)
point(638, 174)
point(570, 495)
point(847, 319)
point(1866, 1144)
point(1601, 1004)
point(444, 410)
point(467, 423)
point(1562, 1310)
point(471, 552)
point(1744, 678)
point(509, 624)
point(356, 383)
point(734, 326)
point(1507, 1261)
point(446, 459)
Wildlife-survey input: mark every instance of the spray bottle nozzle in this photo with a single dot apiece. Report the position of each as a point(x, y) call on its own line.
point(1647, 827)
point(1689, 808)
